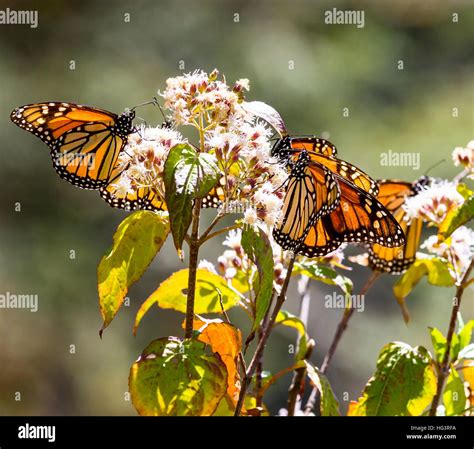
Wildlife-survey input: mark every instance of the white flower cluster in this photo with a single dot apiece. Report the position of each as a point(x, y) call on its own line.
point(142, 161)
point(234, 260)
point(193, 94)
point(251, 180)
point(458, 250)
point(464, 157)
point(433, 202)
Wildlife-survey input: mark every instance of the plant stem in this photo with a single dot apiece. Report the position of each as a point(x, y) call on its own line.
point(207, 237)
point(216, 220)
point(259, 369)
point(341, 327)
point(300, 373)
point(193, 262)
point(295, 388)
point(258, 383)
point(444, 367)
point(277, 376)
point(262, 342)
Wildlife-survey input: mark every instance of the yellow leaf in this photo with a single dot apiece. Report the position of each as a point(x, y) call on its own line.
point(435, 269)
point(172, 294)
point(137, 240)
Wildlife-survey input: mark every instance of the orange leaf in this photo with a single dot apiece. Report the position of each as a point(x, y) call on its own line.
point(226, 340)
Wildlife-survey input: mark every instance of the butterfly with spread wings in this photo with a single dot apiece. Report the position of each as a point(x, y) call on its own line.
point(85, 144)
point(354, 215)
point(392, 194)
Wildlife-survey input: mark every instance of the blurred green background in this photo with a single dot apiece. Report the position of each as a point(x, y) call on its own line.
point(121, 64)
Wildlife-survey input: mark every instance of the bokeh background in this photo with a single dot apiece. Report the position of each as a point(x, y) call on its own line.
point(121, 64)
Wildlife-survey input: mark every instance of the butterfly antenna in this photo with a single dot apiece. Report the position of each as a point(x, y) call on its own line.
point(143, 120)
point(166, 122)
point(153, 102)
point(434, 166)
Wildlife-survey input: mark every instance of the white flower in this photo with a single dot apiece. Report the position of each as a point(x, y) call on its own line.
point(465, 157)
point(243, 83)
point(138, 171)
point(206, 265)
point(257, 137)
point(273, 203)
point(250, 216)
point(433, 202)
point(228, 143)
point(272, 217)
point(122, 186)
point(458, 249)
point(230, 272)
point(233, 239)
point(336, 257)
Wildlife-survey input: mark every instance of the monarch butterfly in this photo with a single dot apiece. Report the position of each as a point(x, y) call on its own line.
point(354, 216)
point(85, 144)
point(392, 195)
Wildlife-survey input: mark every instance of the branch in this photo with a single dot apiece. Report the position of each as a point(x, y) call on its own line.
point(205, 238)
point(216, 220)
point(193, 261)
point(444, 367)
point(296, 385)
point(336, 339)
point(259, 369)
point(300, 373)
point(266, 333)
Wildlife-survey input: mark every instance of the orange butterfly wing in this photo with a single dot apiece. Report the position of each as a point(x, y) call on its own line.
point(85, 142)
point(358, 217)
point(396, 260)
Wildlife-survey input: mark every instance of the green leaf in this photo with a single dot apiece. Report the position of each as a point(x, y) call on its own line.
point(455, 347)
point(467, 352)
point(456, 217)
point(172, 294)
point(464, 190)
point(287, 319)
point(258, 249)
point(135, 243)
point(454, 397)
point(404, 383)
point(177, 378)
point(465, 334)
point(437, 272)
point(323, 273)
point(328, 404)
point(439, 343)
point(187, 175)
point(240, 281)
